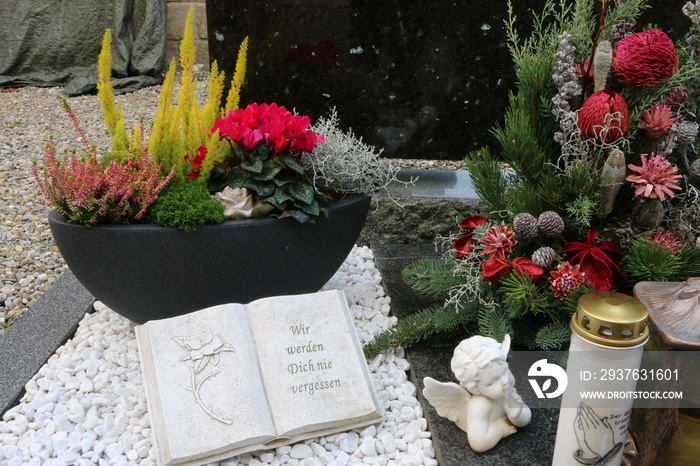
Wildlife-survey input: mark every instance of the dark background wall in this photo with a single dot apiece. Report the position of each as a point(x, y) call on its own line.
point(421, 78)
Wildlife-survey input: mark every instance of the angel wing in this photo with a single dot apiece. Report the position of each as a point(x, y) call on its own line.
point(449, 400)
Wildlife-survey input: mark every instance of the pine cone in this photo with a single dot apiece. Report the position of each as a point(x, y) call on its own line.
point(525, 226)
point(544, 257)
point(686, 131)
point(550, 224)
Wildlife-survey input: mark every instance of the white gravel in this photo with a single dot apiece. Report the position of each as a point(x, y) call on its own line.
point(87, 404)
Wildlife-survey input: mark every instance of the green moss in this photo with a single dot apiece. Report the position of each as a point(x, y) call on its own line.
point(186, 205)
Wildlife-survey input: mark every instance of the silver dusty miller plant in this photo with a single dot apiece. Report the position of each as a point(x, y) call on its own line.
point(345, 163)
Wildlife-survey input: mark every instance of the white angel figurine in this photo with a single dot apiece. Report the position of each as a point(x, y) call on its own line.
point(485, 405)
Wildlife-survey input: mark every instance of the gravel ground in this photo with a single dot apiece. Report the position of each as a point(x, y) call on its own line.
point(29, 260)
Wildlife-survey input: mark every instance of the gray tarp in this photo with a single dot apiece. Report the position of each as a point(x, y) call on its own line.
point(57, 42)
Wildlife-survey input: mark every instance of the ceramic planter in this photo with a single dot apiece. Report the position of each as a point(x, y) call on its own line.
point(147, 272)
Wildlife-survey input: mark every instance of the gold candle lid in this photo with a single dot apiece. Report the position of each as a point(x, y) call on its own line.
point(610, 319)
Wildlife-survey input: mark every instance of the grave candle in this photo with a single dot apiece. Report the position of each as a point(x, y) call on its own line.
point(608, 336)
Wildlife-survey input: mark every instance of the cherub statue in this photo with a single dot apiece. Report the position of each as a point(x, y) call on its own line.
point(485, 405)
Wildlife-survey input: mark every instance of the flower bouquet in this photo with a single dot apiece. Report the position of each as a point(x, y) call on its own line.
point(204, 164)
point(594, 187)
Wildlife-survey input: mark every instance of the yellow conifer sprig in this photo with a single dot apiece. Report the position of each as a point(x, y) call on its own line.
point(160, 142)
point(114, 119)
point(185, 97)
point(215, 93)
point(234, 94)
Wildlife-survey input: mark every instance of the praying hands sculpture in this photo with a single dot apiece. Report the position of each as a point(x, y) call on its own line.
point(485, 404)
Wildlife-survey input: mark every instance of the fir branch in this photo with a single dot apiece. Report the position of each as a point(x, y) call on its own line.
point(495, 323)
point(553, 336)
point(432, 277)
point(410, 330)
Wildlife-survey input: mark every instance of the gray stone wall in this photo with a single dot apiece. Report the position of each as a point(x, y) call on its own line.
point(177, 12)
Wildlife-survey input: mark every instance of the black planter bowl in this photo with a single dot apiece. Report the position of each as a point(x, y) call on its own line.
point(146, 272)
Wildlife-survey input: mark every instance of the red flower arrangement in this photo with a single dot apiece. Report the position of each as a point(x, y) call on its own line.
point(656, 177)
point(645, 58)
point(598, 260)
point(604, 117)
point(273, 124)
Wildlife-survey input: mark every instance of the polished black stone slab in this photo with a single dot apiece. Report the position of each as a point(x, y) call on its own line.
point(421, 79)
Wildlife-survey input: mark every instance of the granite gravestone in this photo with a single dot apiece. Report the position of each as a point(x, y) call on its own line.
point(420, 79)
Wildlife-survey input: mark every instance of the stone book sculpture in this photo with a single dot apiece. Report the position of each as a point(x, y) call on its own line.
point(235, 378)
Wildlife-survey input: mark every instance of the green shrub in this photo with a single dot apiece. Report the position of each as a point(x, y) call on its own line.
point(186, 205)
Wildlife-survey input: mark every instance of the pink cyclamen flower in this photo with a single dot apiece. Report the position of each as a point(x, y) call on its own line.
point(645, 58)
point(655, 178)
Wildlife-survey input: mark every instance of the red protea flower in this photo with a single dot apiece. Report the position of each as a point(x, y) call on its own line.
point(604, 117)
point(498, 241)
point(494, 269)
point(668, 240)
point(657, 121)
point(656, 177)
point(645, 58)
point(464, 245)
point(599, 261)
point(565, 279)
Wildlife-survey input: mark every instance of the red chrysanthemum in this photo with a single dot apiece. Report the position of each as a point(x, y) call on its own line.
point(604, 117)
point(657, 121)
point(494, 269)
point(656, 177)
point(498, 241)
point(668, 241)
point(565, 279)
point(599, 261)
point(645, 58)
point(524, 266)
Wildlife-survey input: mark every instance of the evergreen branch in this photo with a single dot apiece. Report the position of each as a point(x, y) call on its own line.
point(411, 329)
point(432, 277)
point(488, 178)
point(523, 296)
point(495, 323)
point(553, 336)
